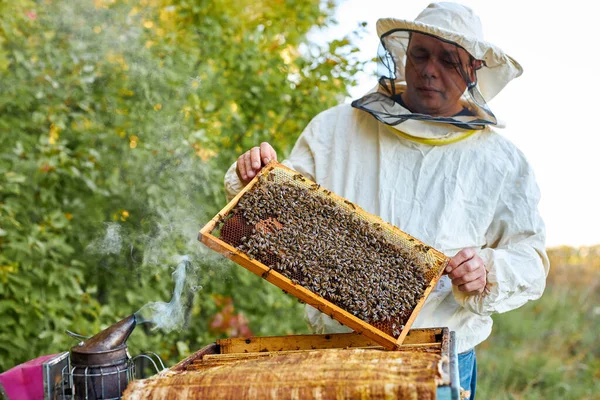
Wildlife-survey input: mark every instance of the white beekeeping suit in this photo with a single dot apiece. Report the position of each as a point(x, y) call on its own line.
point(451, 182)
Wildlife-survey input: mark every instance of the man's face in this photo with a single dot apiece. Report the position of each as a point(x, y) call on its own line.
point(434, 82)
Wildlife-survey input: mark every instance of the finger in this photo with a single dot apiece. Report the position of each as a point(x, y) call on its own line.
point(466, 267)
point(255, 158)
point(241, 168)
point(474, 287)
point(459, 258)
point(267, 152)
point(248, 163)
point(448, 269)
point(468, 277)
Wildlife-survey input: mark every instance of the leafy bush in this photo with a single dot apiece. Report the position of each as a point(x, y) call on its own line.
point(119, 119)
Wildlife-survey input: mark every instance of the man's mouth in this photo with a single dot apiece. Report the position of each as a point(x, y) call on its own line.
point(428, 89)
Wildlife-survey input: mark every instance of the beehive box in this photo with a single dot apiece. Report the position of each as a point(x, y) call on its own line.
point(327, 252)
point(336, 366)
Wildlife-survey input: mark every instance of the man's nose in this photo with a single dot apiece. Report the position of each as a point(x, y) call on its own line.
point(430, 68)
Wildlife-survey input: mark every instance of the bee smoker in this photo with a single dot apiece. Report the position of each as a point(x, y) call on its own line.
point(101, 366)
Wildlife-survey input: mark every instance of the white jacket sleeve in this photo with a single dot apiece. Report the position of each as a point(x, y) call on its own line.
point(233, 184)
point(515, 254)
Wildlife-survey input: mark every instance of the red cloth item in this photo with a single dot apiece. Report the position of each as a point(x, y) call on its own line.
point(25, 381)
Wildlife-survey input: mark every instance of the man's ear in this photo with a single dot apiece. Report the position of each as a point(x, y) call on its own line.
point(475, 65)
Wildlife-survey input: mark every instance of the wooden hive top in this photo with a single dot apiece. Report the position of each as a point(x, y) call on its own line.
point(326, 371)
point(325, 374)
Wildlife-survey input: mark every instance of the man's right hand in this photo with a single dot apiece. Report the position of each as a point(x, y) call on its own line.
point(252, 161)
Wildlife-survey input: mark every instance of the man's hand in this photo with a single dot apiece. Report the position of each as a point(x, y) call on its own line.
point(467, 271)
point(252, 161)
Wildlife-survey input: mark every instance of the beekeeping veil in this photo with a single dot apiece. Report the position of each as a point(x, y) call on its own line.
point(487, 71)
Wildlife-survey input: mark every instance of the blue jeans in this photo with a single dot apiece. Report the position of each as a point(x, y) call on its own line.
point(467, 369)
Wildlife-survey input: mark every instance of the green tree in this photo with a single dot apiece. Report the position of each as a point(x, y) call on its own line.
point(118, 120)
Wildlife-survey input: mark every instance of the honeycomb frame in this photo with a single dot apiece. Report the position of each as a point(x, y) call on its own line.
point(431, 261)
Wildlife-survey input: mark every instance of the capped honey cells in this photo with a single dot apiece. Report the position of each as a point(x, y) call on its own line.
point(302, 233)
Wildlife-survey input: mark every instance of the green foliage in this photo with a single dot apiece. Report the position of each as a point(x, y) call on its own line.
point(118, 121)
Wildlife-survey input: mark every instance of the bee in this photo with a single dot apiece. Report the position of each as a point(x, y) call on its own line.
point(265, 274)
point(350, 204)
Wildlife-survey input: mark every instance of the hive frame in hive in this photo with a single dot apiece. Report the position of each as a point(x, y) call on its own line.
point(339, 314)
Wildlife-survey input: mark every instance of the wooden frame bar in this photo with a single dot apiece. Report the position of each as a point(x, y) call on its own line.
point(415, 337)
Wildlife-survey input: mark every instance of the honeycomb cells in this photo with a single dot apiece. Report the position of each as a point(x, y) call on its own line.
point(318, 241)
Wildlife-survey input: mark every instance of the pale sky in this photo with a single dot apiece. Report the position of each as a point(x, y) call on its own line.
point(549, 111)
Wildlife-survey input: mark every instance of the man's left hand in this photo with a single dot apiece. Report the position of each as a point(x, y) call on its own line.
point(467, 271)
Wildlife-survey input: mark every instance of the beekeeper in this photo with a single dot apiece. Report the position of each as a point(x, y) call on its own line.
point(422, 151)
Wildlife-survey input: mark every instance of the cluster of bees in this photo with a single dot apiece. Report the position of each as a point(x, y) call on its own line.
point(302, 233)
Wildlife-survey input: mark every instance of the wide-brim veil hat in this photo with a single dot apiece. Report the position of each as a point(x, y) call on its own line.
point(458, 24)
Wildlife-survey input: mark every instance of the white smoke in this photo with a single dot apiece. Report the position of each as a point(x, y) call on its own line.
point(111, 243)
point(170, 316)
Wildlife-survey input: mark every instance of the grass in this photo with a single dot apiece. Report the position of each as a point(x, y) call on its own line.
point(549, 348)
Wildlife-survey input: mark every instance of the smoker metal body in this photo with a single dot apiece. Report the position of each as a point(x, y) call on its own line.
point(59, 378)
point(102, 375)
point(101, 365)
point(98, 368)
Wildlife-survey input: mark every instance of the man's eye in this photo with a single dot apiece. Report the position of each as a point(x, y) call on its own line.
point(420, 57)
point(450, 63)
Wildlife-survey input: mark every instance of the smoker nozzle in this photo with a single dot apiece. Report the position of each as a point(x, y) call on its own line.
point(110, 338)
